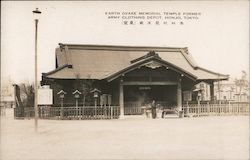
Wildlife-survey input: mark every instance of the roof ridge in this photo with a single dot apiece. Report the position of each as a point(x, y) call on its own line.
point(149, 54)
point(118, 46)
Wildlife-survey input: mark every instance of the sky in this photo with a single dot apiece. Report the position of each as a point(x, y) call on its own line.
point(218, 40)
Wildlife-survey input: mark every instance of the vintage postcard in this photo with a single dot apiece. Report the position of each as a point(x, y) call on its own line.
point(124, 80)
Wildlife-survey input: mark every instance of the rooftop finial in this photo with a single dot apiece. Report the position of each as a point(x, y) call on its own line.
point(151, 53)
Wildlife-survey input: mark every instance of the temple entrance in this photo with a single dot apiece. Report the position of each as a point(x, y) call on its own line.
point(139, 96)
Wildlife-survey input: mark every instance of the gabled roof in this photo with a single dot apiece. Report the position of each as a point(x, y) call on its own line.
point(103, 62)
point(148, 59)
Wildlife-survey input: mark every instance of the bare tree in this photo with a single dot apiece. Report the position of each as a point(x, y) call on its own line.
point(84, 86)
point(242, 84)
point(27, 94)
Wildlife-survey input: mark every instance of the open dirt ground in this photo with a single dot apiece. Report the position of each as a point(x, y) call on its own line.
point(224, 137)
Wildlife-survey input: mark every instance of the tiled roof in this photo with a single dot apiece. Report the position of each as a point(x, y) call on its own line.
point(100, 61)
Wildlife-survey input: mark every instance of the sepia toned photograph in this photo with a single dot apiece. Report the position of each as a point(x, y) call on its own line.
point(125, 80)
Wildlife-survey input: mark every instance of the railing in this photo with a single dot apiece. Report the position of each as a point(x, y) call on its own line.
point(20, 112)
point(87, 112)
point(198, 110)
point(216, 109)
point(113, 112)
point(133, 110)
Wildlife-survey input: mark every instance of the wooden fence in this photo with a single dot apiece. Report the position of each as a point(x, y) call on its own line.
point(198, 110)
point(113, 112)
point(87, 112)
point(216, 109)
point(135, 110)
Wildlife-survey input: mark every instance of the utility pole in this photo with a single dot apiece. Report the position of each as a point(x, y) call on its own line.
point(36, 14)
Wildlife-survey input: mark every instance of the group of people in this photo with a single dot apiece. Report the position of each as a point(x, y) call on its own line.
point(152, 108)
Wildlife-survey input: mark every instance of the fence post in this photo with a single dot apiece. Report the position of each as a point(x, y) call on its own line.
point(219, 108)
point(61, 113)
point(199, 105)
point(241, 109)
point(95, 108)
point(104, 112)
point(208, 108)
point(187, 108)
point(235, 109)
point(108, 111)
point(111, 113)
point(83, 112)
point(76, 108)
point(238, 108)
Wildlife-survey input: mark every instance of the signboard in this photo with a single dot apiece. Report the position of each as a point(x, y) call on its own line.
point(187, 95)
point(45, 96)
point(144, 88)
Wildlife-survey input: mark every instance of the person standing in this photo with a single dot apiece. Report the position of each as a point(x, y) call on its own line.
point(153, 108)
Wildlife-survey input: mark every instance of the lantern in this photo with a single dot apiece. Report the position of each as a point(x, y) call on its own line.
point(76, 94)
point(61, 94)
point(95, 92)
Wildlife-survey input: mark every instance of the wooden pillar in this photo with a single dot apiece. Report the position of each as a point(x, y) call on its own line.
point(212, 91)
point(199, 107)
point(76, 108)
point(208, 108)
point(61, 110)
point(179, 96)
point(187, 108)
point(121, 100)
point(15, 99)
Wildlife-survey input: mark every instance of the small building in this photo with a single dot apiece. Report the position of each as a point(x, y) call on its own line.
point(229, 91)
point(7, 97)
point(132, 75)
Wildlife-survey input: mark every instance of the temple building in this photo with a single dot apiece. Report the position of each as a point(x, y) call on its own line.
point(131, 75)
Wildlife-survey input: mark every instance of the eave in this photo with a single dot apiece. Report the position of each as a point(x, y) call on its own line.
point(56, 70)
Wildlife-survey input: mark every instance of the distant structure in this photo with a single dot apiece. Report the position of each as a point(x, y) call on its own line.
point(132, 75)
point(229, 91)
point(7, 93)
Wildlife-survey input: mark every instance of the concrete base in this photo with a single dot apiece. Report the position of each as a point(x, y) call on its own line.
point(181, 114)
point(121, 117)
